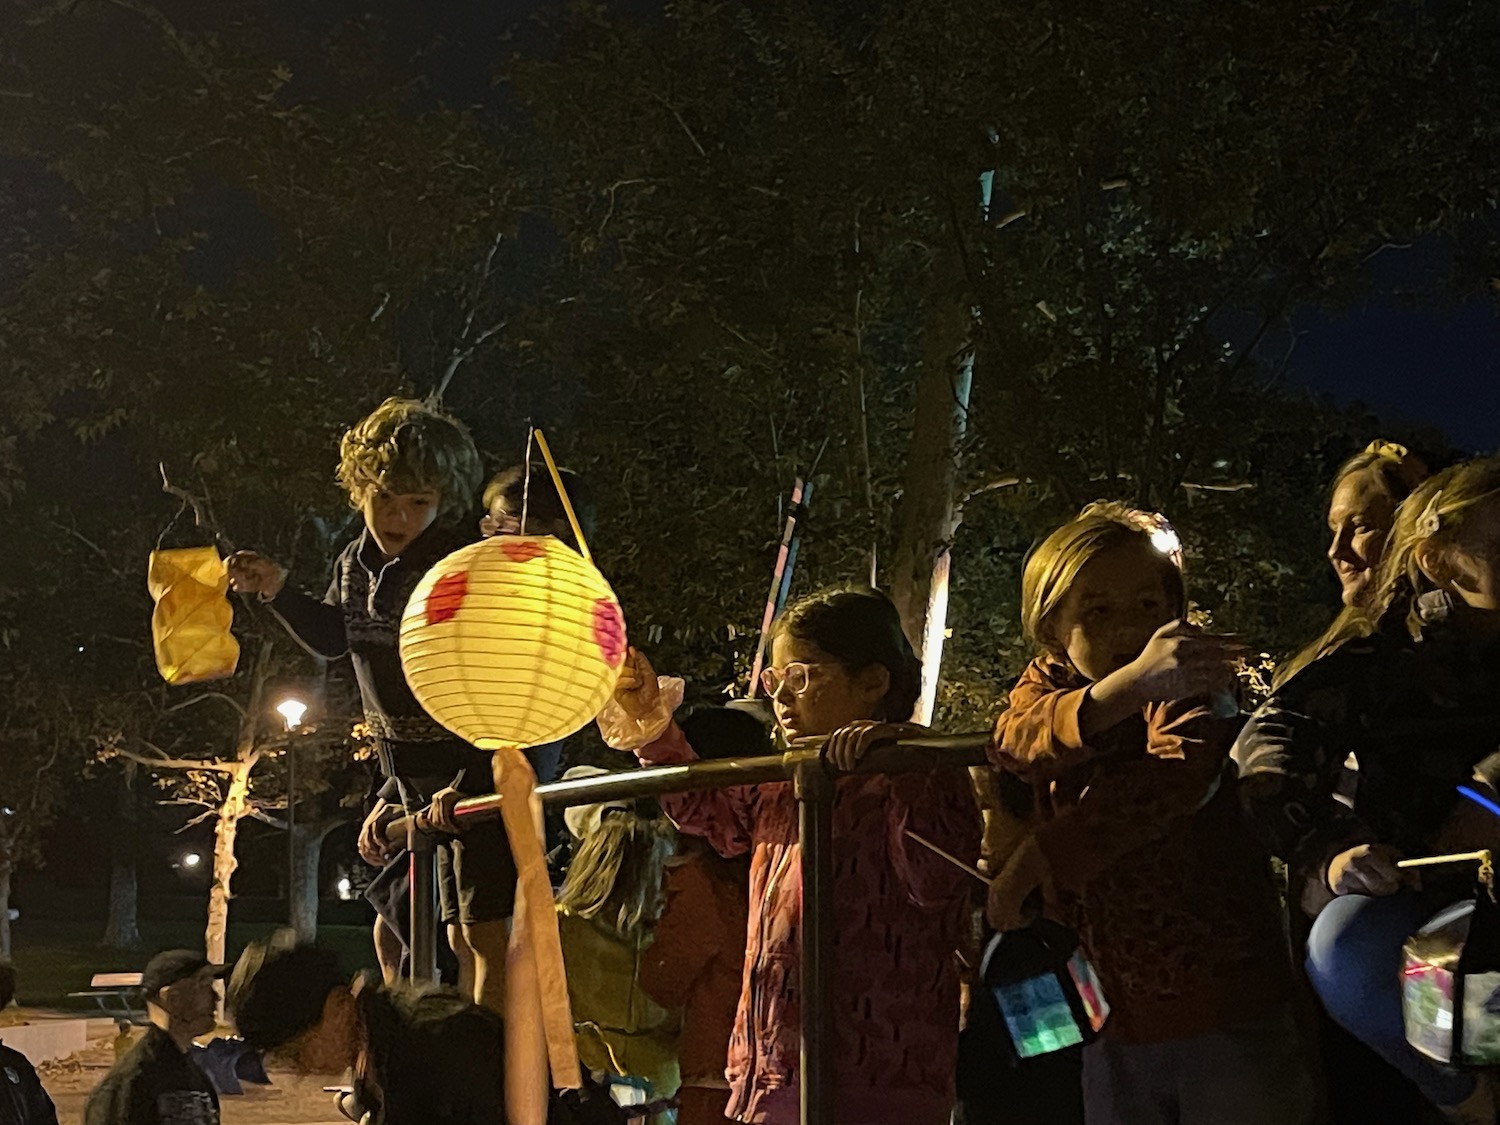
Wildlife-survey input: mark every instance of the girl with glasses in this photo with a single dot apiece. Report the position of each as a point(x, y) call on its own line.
point(841, 668)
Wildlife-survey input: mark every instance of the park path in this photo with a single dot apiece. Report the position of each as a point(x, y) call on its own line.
point(291, 1099)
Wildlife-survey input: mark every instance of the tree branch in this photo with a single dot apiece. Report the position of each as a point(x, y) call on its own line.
point(673, 110)
point(160, 759)
point(239, 708)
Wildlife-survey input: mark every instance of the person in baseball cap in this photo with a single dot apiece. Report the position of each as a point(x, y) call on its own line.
point(157, 1082)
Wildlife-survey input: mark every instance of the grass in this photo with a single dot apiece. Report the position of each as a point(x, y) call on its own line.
point(54, 957)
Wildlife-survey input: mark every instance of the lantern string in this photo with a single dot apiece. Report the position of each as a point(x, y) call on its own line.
point(526, 476)
point(541, 443)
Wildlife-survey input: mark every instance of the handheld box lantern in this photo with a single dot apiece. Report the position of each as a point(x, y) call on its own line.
point(190, 624)
point(1045, 990)
point(1450, 978)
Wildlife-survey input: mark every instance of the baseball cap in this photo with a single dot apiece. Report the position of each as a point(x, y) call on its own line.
point(278, 989)
point(174, 965)
point(584, 820)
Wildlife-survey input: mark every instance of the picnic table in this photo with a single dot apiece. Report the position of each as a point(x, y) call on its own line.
point(119, 997)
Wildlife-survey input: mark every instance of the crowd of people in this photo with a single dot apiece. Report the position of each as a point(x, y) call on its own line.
point(1142, 811)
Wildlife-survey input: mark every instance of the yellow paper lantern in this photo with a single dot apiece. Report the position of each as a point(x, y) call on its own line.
point(190, 624)
point(512, 642)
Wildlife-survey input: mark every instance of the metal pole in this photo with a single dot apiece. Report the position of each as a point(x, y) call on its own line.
point(291, 839)
point(814, 789)
point(423, 928)
point(918, 752)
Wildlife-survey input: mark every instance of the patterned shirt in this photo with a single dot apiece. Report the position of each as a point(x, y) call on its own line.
point(1143, 837)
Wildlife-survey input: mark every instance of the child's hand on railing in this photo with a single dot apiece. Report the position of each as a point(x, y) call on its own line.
point(848, 745)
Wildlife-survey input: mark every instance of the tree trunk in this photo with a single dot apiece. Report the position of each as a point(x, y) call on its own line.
point(307, 853)
point(929, 517)
point(235, 806)
point(5, 908)
point(122, 930)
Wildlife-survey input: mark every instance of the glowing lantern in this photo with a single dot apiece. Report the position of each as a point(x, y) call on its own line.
point(190, 624)
point(514, 641)
point(1450, 980)
point(1046, 994)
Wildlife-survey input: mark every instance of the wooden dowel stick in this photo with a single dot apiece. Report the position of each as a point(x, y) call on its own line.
point(953, 859)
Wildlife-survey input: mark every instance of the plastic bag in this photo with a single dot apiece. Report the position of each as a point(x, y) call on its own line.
point(622, 732)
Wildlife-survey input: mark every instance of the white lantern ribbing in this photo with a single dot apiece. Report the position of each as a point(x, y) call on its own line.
point(512, 642)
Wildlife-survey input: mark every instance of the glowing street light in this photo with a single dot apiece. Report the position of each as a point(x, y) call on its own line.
point(191, 860)
point(291, 711)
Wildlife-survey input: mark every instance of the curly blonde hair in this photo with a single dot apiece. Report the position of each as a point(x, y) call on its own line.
point(407, 445)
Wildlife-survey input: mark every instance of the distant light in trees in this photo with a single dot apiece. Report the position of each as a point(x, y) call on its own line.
point(1166, 540)
point(346, 887)
point(191, 860)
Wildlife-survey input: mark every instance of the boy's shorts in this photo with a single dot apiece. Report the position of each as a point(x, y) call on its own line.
point(476, 881)
point(476, 875)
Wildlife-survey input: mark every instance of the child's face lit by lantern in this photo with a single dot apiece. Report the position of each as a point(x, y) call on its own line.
point(1119, 599)
point(830, 696)
point(397, 518)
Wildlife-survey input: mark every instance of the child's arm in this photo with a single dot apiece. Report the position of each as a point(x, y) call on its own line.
point(317, 626)
point(1040, 732)
point(1052, 718)
point(639, 719)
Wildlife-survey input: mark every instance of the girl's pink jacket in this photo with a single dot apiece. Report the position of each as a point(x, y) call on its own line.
point(901, 916)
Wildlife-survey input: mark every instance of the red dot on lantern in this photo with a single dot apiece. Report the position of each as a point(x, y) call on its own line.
point(448, 594)
point(609, 632)
point(521, 550)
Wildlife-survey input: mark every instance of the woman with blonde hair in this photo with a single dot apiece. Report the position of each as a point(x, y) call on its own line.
point(1409, 687)
point(1361, 505)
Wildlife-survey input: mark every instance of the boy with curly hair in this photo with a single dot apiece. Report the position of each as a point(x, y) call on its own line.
point(412, 471)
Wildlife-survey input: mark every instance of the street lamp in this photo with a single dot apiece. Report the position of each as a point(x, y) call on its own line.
point(191, 860)
point(291, 711)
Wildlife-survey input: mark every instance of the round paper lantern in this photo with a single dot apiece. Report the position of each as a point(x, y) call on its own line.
point(514, 641)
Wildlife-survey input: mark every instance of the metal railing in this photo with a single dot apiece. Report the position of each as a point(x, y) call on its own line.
point(813, 785)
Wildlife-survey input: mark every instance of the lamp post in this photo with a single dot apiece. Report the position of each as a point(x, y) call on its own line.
point(291, 710)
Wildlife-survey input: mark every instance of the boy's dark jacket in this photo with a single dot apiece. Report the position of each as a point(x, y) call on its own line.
point(361, 615)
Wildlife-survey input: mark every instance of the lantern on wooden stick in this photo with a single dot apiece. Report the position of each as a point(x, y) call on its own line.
point(512, 642)
point(190, 624)
point(1450, 975)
